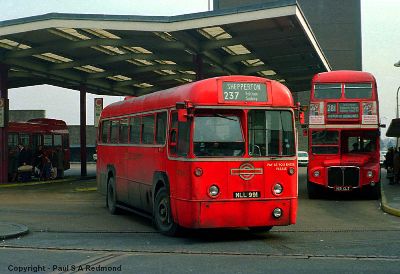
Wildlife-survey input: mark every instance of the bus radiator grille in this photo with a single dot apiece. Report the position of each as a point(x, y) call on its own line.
point(343, 176)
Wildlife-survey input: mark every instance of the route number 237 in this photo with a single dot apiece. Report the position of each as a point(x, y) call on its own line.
point(231, 95)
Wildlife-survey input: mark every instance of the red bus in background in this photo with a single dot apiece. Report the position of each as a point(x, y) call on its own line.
point(344, 134)
point(216, 153)
point(49, 133)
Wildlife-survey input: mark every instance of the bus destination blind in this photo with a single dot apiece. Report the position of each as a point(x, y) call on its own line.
point(244, 91)
point(345, 111)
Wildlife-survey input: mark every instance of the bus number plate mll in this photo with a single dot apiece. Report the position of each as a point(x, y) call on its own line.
point(246, 194)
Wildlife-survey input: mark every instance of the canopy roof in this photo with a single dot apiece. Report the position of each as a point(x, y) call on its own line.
point(136, 55)
point(394, 128)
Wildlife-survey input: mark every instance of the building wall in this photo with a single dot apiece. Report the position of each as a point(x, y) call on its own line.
point(25, 115)
point(335, 23)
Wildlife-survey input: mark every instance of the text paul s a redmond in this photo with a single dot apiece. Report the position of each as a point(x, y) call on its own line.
point(63, 268)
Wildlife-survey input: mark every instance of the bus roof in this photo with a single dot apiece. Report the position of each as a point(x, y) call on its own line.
point(39, 125)
point(200, 93)
point(343, 76)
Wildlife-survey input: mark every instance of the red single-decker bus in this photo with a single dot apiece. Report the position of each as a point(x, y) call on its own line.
point(217, 153)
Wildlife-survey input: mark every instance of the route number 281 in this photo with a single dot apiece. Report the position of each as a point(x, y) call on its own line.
point(231, 95)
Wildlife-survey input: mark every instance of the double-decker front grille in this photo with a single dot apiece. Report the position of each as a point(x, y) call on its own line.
point(343, 176)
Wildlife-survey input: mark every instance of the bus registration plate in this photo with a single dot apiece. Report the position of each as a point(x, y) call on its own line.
point(342, 188)
point(246, 194)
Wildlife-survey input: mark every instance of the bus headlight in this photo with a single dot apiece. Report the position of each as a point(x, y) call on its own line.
point(278, 188)
point(316, 173)
point(370, 173)
point(213, 191)
point(291, 170)
point(277, 213)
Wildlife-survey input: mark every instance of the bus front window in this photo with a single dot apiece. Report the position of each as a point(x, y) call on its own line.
point(218, 135)
point(271, 133)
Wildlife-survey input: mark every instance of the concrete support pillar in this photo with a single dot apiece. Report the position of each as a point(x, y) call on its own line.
point(4, 130)
point(83, 131)
point(198, 64)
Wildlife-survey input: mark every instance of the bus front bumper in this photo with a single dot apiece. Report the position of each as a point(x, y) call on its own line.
point(233, 214)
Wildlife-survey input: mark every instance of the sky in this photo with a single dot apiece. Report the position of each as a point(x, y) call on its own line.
point(380, 22)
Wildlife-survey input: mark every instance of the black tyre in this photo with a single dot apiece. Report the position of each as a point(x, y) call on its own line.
point(260, 229)
point(162, 215)
point(111, 197)
point(313, 190)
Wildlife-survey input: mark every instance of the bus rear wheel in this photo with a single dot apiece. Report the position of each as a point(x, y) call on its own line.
point(111, 197)
point(162, 214)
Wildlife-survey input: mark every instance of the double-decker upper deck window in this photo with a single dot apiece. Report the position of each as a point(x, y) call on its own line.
point(148, 129)
point(271, 133)
point(105, 129)
point(358, 91)
point(218, 135)
point(327, 91)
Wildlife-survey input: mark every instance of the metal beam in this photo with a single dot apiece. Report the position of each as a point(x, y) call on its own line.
point(74, 45)
point(73, 78)
point(82, 101)
point(4, 129)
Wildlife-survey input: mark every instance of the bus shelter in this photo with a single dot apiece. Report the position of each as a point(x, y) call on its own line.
point(137, 55)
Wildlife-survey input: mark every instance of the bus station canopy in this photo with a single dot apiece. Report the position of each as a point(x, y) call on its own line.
point(394, 128)
point(136, 55)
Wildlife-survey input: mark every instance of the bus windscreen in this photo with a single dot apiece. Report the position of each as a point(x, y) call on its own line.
point(218, 135)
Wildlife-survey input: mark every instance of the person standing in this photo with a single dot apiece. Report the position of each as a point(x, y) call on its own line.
point(396, 166)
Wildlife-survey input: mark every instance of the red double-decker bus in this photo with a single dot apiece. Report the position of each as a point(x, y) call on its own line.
point(216, 153)
point(48, 133)
point(343, 134)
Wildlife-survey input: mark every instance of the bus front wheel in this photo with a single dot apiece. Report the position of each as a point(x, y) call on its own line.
point(162, 214)
point(111, 197)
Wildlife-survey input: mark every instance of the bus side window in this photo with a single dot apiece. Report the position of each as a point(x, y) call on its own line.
point(36, 141)
point(105, 130)
point(123, 131)
point(12, 139)
point(24, 139)
point(114, 132)
point(48, 140)
point(148, 129)
point(161, 127)
point(134, 130)
point(57, 140)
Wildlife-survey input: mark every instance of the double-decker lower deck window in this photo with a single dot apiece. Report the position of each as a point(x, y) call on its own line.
point(325, 141)
point(271, 133)
point(218, 135)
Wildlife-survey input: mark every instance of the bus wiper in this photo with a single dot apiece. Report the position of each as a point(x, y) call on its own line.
point(225, 117)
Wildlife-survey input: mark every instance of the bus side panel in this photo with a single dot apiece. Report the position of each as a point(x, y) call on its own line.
point(142, 163)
